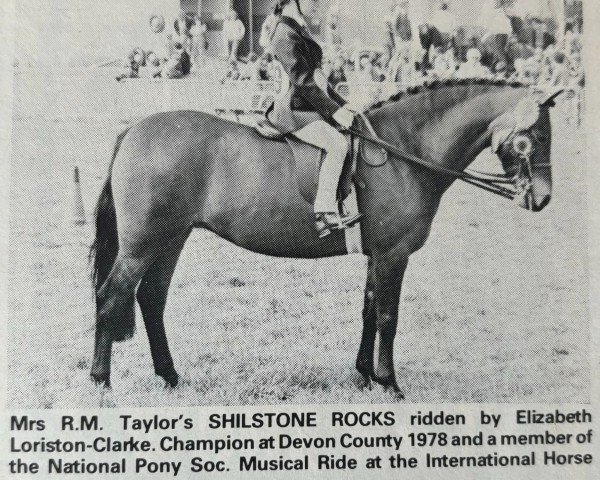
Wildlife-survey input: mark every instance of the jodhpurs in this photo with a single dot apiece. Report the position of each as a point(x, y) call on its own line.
point(323, 135)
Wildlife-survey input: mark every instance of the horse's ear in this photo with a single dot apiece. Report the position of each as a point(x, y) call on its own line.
point(549, 102)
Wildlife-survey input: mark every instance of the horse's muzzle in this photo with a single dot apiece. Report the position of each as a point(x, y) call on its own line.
point(539, 194)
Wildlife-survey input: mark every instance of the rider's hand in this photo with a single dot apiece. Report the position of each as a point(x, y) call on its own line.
point(344, 117)
point(320, 79)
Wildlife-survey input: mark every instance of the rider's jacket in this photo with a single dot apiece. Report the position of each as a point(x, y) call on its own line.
point(300, 56)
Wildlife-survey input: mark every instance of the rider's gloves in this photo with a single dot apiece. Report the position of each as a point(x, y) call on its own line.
point(344, 117)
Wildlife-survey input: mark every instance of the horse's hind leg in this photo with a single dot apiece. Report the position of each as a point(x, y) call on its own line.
point(152, 298)
point(100, 372)
point(115, 311)
point(364, 360)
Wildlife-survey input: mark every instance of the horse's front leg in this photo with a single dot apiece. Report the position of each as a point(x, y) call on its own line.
point(364, 360)
point(389, 271)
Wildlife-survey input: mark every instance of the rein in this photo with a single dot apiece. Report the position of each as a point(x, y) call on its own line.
point(486, 181)
point(490, 182)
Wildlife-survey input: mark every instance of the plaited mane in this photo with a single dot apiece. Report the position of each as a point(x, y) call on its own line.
point(441, 84)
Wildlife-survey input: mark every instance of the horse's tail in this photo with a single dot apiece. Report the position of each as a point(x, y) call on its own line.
point(104, 249)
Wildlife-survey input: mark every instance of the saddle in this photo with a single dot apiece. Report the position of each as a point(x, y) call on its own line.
point(308, 158)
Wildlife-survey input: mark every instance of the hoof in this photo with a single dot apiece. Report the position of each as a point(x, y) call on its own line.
point(100, 380)
point(171, 378)
point(367, 373)
point(389, 384)
point(364, 382)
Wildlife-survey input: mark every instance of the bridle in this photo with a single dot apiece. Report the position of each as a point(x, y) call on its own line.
point(522, 144)
point(490, 182)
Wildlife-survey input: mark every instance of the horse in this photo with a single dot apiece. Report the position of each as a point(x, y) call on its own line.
point(175, 171)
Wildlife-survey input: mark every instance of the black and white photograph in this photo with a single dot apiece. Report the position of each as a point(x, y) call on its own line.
point(297, 202)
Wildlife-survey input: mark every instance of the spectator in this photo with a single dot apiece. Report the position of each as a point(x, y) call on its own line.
point(548, 54)
point(575, 70)
point(431, 40)
point(250, 70)
point(181, 26)
point(198, 42)
point(178, 65)
point(153, 69)
point(473, 68)
point(497, 27)
point(186, 62)
point(560, 73)
point(500, 71)
point(170, 45)
point(333, 39)
point(533, 69)
point(516, 49)
point(442, 70)
point(545, 77)
point(572, 41)
point(131, 67)
point(408, 74)
point(402, 27)
point(337, 74)
point(541, 36)
point(389, 46)
point(402, 70)
point(527, 71)
point(233, 34)
point(393, 73)
point(327, 66)
point(266, 32)
point(262, 69)
point(275, 72)
point(365, 73)
point(379, 73)
point(233, 72)
point(518, 74)
point(356, 52)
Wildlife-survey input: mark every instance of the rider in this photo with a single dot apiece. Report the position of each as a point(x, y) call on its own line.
point(306, 110)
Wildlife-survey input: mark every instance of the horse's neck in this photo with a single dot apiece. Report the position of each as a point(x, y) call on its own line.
point(456, 138)
point(449, 133)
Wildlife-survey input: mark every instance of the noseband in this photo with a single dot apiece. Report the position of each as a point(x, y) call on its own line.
point(521, 146)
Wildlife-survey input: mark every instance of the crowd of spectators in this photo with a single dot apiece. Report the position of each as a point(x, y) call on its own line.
point(184, 49)
point(256, 68)
point(555, 65)
point(521, 49)
point(411, 55)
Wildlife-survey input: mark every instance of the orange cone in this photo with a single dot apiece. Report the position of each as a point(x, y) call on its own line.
point(78, 210)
